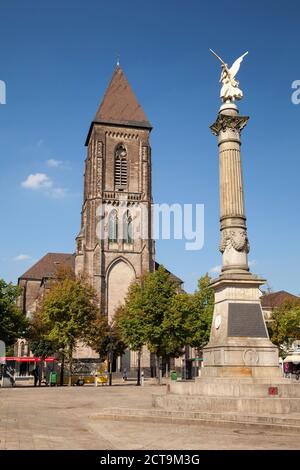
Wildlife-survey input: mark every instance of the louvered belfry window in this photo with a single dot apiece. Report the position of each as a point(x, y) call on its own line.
point(120, 167)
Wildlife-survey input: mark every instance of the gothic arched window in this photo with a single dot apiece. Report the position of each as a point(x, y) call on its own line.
point(113, 227)
point(120, 167)
point(127, 228)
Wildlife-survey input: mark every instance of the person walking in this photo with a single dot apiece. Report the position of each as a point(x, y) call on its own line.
point(35, 374)
point(125, 374)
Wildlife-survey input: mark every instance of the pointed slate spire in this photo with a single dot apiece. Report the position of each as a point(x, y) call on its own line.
point(120, 105)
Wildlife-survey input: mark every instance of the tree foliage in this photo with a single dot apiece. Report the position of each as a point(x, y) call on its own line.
point(176, 324)
point(66, 314)
point(130, 319)
point(141, 319)
point(285, 326)
point(40, 344)
point(157, 315)
point(201, 313)
point(106, 338)
point(13, 323)
point(157, 293)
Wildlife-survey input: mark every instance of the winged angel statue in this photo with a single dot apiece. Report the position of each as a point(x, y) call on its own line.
point(230, 90)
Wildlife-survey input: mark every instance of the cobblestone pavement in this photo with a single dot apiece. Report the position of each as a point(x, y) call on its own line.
point(62, 418)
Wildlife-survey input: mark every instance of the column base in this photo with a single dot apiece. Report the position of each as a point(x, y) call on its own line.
point(263, 372)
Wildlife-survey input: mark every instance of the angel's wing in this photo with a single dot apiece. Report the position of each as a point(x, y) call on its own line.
point(236, 65)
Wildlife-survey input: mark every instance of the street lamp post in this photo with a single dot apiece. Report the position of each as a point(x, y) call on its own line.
point(139, 368)
point(110, 361)
point(110, 356)
point(61, 350)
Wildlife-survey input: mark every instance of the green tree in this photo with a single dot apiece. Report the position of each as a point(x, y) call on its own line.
point(285, 325)
point(13, 323)
point(130, 318)
point(39, 343)
point(156, 315)
point(176, 324)
point(67, 312)
point(144, 317)
point(201, 314)
point(188, 321)
point(130, 321)
point(106, 338)
point(112, 345)
point(158, 291)
point(37, 336)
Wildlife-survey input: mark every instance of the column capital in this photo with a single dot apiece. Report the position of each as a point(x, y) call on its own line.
point(225, 121)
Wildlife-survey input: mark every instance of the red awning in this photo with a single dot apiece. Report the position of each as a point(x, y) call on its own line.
point(26, 359)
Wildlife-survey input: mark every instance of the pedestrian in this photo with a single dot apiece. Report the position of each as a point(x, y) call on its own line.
point(35, 374)
point(125, 376)
point(96, 379)
point(286, 369)
point(9, 373)
point(12, 373)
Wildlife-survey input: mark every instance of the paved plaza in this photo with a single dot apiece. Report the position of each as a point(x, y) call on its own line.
point(69, 418)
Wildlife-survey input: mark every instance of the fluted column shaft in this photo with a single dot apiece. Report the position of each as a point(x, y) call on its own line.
point(231, 184)
point(234, 244)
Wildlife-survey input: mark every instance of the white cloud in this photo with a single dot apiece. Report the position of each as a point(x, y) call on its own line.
point(52, 163)
point(22, 257)
point(37, 181)
point(42, 182)
point(215, 269)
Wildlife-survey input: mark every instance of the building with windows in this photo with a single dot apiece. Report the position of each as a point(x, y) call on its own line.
point(272, 300)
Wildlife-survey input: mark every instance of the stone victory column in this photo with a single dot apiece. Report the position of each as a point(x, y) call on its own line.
point(241, 377)
point(239, 343)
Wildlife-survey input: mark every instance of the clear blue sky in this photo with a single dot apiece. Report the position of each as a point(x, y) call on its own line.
point(57, 58)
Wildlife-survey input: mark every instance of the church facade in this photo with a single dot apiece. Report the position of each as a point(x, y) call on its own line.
point(117, 189)
point(114, 246)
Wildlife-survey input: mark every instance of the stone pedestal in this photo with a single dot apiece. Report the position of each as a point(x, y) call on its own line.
point(239, 343)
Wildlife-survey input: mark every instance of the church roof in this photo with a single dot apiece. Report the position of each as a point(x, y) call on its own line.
point(46, 266)
point(174, 278)
point(120, 105)
point(276, 299)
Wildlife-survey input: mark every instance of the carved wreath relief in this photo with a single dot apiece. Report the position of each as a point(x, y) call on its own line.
point(236, 239)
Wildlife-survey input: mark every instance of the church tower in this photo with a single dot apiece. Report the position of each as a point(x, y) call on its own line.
point(114, 246)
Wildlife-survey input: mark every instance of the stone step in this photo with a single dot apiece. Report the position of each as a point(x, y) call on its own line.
point(285, 423)
point(245, 380)
point(234, 388)
point(217, 404)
